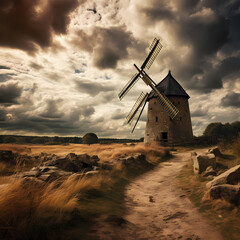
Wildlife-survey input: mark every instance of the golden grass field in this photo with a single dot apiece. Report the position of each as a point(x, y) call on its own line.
point(29, 210)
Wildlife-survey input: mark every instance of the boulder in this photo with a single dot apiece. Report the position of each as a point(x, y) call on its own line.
point(64, 164)
point(215, 151)
point(208, 172)
point(106, 166)
point(231, 176)
point(202, 162)
point(230, 193)
point(31, 173)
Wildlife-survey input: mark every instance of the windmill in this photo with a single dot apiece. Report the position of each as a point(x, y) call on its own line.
point(167, 105)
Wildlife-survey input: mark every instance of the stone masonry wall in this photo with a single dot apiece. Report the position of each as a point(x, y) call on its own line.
point(179, 130)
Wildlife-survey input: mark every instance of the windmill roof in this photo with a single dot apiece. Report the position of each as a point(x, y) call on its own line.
point(169, 87)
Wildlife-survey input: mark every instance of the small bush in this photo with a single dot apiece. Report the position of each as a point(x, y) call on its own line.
point(90, 138)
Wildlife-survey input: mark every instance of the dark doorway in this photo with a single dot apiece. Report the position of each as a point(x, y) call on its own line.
point(164, 136)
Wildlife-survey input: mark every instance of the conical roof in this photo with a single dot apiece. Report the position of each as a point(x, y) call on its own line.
point(169, 87)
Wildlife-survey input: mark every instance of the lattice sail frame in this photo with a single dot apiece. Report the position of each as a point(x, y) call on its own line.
point(168, 106)
point(129, 85)
point(155, 48)
point(140, 101)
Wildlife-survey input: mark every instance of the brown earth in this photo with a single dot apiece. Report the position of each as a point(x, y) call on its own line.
point(158, 209)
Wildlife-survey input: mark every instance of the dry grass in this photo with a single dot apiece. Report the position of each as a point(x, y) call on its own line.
point(25, 205)
point(31, 210)
point(105, 152)
point(221, 213)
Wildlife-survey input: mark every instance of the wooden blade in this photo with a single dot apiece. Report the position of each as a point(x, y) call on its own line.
point(155, 48)
point(129, 85)
point(139, 115)
point(166, 103)
point(140, 101)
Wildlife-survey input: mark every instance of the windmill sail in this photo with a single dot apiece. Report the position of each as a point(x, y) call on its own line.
point(140, 101)
point(129, 85)
point(139, 116)
point(155, 48)
point(166, 103)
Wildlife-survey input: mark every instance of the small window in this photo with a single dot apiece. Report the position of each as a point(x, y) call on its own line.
point(147, 134)
point(150, 108)
point(156, 119)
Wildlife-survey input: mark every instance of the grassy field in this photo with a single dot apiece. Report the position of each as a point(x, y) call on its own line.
point(67, 210)
point(221, 214)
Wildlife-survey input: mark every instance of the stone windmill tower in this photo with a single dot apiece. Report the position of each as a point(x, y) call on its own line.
point(160, 127)
point(169, 119)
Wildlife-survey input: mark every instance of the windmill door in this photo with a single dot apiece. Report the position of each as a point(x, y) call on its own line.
point(164, 136)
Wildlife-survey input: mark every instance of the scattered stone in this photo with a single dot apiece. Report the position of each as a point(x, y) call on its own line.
point(201, 162)
point(151, 199)
point(45, 177)
point(175, 215)
point(232, 176)
point(215, 151)
point(208, 172)
point(31, 173)
point(230, 193)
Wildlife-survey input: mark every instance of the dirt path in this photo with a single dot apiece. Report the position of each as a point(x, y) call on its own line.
point(159, 210)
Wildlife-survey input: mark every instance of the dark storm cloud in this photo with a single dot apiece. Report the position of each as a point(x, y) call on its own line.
point(3, 116)
point(36, 66)
point(64, 124)
point(5, 77)
point(107, 45)
point(206, 27)
point(4, 67)
point(51, 110)
point(92, 88)
point(9, 93)
point(88, 111)
point(24, 24)
point(231, 100)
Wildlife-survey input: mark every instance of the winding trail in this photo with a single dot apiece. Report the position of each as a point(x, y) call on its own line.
point(158, 209)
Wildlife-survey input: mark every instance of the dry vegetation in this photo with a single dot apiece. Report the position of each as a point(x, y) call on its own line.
point(49, 211)
point(221, 213)
point(105, 152)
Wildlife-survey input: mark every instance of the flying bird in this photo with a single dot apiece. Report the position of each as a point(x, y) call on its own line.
point(94, 10)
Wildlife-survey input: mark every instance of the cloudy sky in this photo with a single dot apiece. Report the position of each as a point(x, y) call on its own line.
point(63, 65)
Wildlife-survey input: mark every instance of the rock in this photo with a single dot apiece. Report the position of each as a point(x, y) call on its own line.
point(88, 174)
point(64, 164)
point(31, 173)
point(45, 177)
point(209, 172)
point(45, 169)
point(194, 157)
point(33, 180)
point(231, 176)
point(7, 156)
point(216, 152)
point(87, 160)
point(133, 160)
point(106, 166)
point(230, 193)
point(201, 162)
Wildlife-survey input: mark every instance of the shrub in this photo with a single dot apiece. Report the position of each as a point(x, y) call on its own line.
point(90, 138)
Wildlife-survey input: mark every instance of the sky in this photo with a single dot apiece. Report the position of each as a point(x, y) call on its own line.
point(62, 65)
